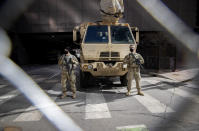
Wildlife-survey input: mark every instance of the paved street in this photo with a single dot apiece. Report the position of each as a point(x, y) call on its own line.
point(168, 105)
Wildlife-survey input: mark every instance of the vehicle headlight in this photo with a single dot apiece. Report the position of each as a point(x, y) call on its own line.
point(90, 67)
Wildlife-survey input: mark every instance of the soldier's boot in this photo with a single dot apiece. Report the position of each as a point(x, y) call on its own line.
point(138, 88)
point(140, 93)
point(63, 95)
point(74, 95)
point(128, 93)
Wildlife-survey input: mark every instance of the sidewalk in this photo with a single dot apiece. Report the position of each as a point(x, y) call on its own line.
point(180, 76)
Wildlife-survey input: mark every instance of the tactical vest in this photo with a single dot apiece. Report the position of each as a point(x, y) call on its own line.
point(67, 63)
point(132, 62)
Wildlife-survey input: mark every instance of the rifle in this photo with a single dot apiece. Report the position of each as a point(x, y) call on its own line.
point(137, 61)
point(69, 68)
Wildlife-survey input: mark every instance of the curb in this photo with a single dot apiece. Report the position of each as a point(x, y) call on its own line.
point(162, 76)
point(158, 75)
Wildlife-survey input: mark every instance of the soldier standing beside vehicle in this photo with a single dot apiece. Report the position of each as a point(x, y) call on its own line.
point(67, 63)
point(133, 61)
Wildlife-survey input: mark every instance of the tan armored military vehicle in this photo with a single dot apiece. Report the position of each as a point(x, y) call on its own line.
point(103, 45)
point(103, 48)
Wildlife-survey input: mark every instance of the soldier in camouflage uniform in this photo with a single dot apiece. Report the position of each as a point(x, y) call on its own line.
point(133, 61)
point(67, 63)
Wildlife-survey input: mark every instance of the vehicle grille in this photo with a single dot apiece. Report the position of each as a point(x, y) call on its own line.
point(104, 54)
point(115, 54)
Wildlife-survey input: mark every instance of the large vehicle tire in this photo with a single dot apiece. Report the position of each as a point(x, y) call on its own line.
point(84, 79)
point(123, 80)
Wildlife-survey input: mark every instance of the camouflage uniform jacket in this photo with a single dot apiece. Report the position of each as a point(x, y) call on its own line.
point(131, 61)
point(68, 62)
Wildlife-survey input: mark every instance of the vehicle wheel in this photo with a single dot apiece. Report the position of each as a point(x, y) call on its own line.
point(123, 80)
point(84, 79)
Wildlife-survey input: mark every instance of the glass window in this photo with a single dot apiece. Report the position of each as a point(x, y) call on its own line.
point(121, 35)
point(96, 34)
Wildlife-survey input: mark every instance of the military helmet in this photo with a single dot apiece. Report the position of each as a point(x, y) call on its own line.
point(132, 46)
point(67, 49)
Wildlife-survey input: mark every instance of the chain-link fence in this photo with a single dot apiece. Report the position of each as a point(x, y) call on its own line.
point(29, 88)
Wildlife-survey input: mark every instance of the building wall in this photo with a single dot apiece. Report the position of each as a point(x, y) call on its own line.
point(63, 15)
point(46, 26)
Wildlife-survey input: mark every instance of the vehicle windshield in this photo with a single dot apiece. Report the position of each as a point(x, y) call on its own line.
point(121, 35)
point(96, 34)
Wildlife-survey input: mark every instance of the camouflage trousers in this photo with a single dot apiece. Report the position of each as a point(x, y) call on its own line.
point(133, 73)
point(65, 78)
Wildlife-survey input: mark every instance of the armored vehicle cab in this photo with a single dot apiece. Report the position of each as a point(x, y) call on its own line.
point(103, 48)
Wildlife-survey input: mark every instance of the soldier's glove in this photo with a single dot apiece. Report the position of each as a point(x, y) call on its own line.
point(73, 61)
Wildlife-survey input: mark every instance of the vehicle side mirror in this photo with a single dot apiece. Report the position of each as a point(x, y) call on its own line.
point(135, 32)
point(76, 36)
